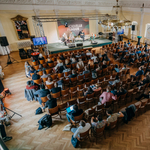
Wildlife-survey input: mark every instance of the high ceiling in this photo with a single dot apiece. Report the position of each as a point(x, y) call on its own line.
point(100, 3)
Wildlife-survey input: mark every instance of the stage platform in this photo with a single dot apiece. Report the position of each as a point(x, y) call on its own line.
point(60, 47)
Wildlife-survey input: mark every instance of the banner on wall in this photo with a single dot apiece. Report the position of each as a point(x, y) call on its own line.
point(148, 31)
point(73, 25)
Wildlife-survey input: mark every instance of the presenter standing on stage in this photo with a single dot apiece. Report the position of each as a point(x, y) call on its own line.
point(92, 38)
point(65, 38)
point(71, 37)
point(82, 35)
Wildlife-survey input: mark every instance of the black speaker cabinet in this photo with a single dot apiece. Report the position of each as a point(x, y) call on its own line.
point(3, 41)
point(133, 27)
point(22, 54)
point(31, 37)
point(79, 44)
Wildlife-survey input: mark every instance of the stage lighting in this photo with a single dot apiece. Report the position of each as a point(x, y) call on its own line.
point(66, 24)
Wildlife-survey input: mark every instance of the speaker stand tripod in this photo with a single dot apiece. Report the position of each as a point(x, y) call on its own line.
point(9, 61)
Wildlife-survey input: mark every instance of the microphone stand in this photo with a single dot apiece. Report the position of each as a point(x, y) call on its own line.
point(9, 61)
point(4, 108)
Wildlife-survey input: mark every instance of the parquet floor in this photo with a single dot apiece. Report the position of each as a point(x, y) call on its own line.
point(132, 136)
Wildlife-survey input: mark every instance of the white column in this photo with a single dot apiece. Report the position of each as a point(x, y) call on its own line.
point(2, 29)
point(141, 22)
point(3, 49)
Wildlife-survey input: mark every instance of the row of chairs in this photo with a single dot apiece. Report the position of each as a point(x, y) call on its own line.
point(141, 107)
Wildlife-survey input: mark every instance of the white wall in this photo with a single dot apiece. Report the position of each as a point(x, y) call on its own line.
point(50, 30)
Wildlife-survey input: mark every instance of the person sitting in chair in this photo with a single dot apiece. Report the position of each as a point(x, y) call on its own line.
point(97, 122)
point(56, 89)
point(41, 57)
point(83, 127)
point(44, 74)
point(73, 75)
point(30, 90)
point(35, 76)
point(41, 93)
point(51, 103)
point(112, 117)
point(74, 113)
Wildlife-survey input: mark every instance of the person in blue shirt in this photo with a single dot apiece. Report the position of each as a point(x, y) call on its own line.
point(128, 42)
point(138, 52)
point(125, 44)
point(41, 93)
point(31, 71)
point(140, 72)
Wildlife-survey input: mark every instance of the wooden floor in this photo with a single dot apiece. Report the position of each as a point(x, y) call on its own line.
point(132, 136)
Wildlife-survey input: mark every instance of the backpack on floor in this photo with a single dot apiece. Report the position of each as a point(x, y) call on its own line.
point(45, 121)
point(38, 111)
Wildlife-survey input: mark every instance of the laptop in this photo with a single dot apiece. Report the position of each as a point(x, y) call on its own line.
point(69, 109)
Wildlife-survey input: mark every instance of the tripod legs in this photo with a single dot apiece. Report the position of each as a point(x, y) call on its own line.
point(13, 113)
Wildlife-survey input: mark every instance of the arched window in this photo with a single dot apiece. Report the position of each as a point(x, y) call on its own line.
point(147, 31)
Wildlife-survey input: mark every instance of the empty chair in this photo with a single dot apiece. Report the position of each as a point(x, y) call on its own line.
point(73, 92)
point(62, 107)
point(72, 102)
point(54, 112)
point(81, 89)
point(56, 95)
point(48, 71)
point(99, 132)
point(65, 94)
point(44, 100)
point(60, 75)
point(50, 86)
point(54, 77)
point(38, 81)
point(142, 108)
point(81, 102)
point(84, 136)
point(99, 110)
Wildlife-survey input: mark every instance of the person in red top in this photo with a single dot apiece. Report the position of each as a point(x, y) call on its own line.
point(30, 86)
point(107, 96)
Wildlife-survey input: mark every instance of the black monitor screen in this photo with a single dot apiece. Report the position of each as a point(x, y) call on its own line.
point(39, 41)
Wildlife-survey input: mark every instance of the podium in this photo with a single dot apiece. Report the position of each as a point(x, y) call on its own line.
point(139, 38)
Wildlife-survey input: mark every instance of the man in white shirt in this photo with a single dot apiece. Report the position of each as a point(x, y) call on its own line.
point(89, 53)
point(44, 75)
point(94, 58)
point(83, 127)
point(71, 37)
point(80, 64)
